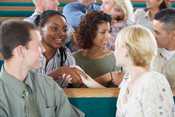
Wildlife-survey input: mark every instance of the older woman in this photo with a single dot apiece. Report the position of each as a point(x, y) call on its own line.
point(122, 16)
point(118, 8)
point(40, 7)
point(94, 58)
point(143, 93)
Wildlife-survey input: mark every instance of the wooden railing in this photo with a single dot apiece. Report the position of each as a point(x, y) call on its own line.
point(91, 92)
point(94, 102)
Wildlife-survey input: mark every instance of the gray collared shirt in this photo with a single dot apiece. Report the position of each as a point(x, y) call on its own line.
point(34, 97)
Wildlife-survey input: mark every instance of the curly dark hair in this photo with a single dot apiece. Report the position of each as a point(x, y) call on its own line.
point(87, 31)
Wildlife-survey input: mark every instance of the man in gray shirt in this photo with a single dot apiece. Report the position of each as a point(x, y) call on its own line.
point(22, 92)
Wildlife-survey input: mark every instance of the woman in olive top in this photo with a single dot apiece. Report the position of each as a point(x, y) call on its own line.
point(93, 57)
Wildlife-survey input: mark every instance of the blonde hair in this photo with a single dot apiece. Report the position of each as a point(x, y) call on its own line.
point(140, 43)
point(126, 7)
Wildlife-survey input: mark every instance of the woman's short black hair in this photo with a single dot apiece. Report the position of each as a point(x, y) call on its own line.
point(43, 18)
point(87, 31)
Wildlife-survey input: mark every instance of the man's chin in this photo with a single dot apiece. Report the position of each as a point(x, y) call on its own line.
point(36, 66)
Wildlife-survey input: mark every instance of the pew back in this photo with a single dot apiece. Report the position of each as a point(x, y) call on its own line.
point(95, 102)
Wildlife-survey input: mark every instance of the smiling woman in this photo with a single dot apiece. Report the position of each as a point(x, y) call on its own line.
point(56, 58)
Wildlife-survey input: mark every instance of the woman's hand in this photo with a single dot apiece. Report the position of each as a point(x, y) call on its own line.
point(67, 75)
point(115, 77)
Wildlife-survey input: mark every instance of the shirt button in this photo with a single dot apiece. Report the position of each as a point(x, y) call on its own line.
point(161, 113)
point(160, 107)
point(163, 90)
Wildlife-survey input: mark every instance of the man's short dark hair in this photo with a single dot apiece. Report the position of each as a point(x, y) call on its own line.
point(12, 34)
point(167, 17)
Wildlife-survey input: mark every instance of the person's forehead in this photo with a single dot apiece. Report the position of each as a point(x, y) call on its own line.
point(157, 24)
point(159, 27)
point(56, 19)
point(103, 24)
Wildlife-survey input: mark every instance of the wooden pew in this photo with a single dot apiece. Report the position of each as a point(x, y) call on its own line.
point(94, 102)
point(91, 92)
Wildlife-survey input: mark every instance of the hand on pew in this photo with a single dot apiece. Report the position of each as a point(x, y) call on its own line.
point(115, 77)
point(77, 77)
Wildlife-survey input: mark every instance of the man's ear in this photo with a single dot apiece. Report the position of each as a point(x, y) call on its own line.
point(173, 35)
point(19, 51)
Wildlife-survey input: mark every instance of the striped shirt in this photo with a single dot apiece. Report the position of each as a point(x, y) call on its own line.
point(54, 62)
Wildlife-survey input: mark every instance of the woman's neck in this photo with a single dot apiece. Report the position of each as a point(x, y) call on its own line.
point(96, 52)
point(136, 72)
point(49, 51)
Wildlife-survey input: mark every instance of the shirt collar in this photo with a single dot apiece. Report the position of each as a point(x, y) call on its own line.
point(16, 85)
point(166, 53)
point(147, 14)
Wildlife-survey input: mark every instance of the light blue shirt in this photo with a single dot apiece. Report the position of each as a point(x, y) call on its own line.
point(75, 11)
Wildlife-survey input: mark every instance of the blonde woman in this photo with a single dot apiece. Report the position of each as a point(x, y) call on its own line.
point(143, 93)
point(115, 7)
point(122, 16)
